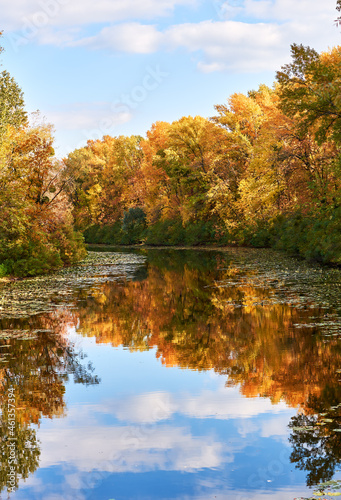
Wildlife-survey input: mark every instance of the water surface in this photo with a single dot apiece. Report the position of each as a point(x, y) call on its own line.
point(172, 374)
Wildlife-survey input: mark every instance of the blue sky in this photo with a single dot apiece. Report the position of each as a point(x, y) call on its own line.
point(115, 67)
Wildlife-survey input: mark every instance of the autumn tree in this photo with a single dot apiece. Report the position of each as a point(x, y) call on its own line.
point(104, 174)
point(183, 160)
point(262, 188)
point(310, 90)
point(85, 167)
point(153, 179)
point(194, 149)
point(241, 118)
point(36, 230)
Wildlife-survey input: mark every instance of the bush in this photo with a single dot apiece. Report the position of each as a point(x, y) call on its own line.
point(69, 243)
point(199, 233)
point(167, 232)
point(173, 233)
point(105, 235)
point(32, 259)
point(133, 226)
point(35, 252)
point(315, 237)
point(3, 270)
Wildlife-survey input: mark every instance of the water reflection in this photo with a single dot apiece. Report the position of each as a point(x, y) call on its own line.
point(267, 332)
point(205, 315)
point(316, 437)
point(35, 371)
point(258, 344)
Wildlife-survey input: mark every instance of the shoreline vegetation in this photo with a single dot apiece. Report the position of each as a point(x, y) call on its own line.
point(310, 239)
point(95, 247)
point(264, 172)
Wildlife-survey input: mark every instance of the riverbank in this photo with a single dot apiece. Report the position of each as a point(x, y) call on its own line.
point(315, 239)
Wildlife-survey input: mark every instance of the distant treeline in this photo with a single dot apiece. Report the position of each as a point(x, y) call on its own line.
point(264, 171)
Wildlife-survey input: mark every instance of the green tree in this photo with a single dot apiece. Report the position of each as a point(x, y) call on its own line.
point(12, 105)
point(133, 225)
point(310, 91)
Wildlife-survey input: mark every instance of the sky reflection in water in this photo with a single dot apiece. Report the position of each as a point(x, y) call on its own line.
point(199, 364)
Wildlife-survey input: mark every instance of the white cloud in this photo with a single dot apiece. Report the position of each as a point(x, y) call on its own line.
point(130, 37)
point(285, 10)
point(275, 427)
point(20, 14)
point(91, 450)
point(95, 117)
point(222, 45)
point(231, 44)
point(224, 404)
point(256, 46)
point(145, 408)
point(227, 404)
point(269, 494)
point(123, 449)
point(225, 44)
point(258, 41)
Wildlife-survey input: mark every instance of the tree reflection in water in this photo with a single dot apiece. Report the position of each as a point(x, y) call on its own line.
point(200, 311)
point(36, 369)
point(316, 439)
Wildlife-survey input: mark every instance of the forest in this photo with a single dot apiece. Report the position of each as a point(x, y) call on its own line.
point(263, 171)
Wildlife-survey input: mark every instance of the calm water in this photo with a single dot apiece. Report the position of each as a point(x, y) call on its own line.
point(189, 375)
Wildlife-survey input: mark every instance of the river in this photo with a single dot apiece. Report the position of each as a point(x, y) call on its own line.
point(172, 374)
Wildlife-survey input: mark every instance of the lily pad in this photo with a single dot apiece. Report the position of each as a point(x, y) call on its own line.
point(44, 294)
